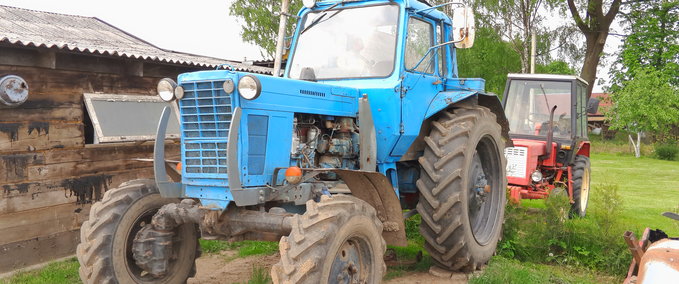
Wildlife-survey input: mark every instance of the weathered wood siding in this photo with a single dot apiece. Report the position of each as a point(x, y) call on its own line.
point(48, 176)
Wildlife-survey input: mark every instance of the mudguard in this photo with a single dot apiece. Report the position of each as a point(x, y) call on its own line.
point(375, 188)
point(489, 100)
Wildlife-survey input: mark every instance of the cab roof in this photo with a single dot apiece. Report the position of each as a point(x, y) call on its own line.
point(545, 77)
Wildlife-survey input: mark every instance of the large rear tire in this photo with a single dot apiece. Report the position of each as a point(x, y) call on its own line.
point(462, 188)
point(581, 177)
point(337, 240)
point(105, 249)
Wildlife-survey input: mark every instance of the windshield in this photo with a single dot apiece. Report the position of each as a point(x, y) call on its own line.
point(528, 112)
point(347, 43)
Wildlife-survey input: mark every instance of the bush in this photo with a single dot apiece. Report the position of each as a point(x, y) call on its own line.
point(667, 151)
point(548, 236)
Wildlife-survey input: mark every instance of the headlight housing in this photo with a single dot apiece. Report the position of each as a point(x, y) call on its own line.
point(309, 3)
point(249, 87)
point(228, 86)
point(166, 90)
point(536, 176)
point(179, 92)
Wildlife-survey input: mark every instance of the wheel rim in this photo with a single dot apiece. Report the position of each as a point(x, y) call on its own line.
point(352, 262)
point(135, 271)
point(484, 194)
point(584, 191)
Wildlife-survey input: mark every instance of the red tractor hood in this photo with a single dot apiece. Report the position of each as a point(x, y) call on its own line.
point(522, 160)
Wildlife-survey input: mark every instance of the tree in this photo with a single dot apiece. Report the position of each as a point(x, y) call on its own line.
point(652, 42)
point(595, 27)
point(260, 23)
point(646, 103)
point(491, 58)
point(514, 21)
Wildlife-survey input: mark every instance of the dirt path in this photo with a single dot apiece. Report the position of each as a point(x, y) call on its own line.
point(225, 268)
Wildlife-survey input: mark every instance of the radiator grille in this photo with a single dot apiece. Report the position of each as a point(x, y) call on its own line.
point(205, 157)
point(206, 112)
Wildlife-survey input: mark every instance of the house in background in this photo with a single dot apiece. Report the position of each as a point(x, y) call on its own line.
point(59, 151)
point(597, 122)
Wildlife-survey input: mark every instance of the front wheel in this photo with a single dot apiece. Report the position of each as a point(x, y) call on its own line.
point(337, 240)
point(581, 173)
point(462, 188)
point(106, 239)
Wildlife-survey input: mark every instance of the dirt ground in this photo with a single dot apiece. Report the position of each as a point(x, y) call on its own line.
point(226, 268)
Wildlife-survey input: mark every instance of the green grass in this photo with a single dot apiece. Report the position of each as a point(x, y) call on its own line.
point(61, 272)
point(245, 248)
point(507, 271)
point(647, 186)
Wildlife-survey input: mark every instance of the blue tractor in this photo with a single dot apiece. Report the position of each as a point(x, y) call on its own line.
point(369, 119)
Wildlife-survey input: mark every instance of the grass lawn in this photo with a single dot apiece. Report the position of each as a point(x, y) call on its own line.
point(647, 186)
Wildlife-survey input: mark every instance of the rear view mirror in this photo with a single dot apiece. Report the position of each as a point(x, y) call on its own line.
point(464, 29)
point(593, 106)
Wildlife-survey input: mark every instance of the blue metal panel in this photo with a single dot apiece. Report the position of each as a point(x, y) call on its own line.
point(304, 97)
point(258, 128)
point(277, 146)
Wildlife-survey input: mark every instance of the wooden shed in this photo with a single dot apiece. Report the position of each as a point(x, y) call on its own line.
point(50, 169)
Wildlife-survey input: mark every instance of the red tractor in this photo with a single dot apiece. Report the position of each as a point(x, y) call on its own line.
point(549, 153)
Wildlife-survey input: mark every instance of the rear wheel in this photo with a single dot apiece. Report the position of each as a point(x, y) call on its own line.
point(581, 176)
point(337, 240)
point(462, 190)
point(105, 249)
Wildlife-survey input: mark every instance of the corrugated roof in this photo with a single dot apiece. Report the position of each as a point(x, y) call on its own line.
point(91, 35)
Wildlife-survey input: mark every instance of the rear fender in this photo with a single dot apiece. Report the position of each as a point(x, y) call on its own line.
point(375, 188)
point(447, 99)
point(583, 148)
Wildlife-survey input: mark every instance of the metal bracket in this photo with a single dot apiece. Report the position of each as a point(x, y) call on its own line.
point(233, 172)
point(167, 188)
point(368, 139)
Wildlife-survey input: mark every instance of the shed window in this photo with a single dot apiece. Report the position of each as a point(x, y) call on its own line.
point(124, 118)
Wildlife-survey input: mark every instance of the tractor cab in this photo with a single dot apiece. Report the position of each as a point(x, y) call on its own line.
point(529, 100)
point(547, 117)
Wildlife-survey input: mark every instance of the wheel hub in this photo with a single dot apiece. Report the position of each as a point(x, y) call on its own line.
point(351, 264)
point(479, 190)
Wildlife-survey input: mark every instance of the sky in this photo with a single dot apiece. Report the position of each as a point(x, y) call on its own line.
point(163, 23)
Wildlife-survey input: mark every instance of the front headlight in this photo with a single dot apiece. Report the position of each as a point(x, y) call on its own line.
point(166, 88)
point(249, 87)
point(536, 176)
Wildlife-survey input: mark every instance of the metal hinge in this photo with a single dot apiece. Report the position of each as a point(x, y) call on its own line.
point(402, 91)
point(402, 129)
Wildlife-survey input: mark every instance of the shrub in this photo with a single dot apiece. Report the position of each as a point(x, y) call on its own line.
point(667, 151)
point(548, 236)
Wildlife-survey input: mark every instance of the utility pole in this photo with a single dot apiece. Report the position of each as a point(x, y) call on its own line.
point(532, 52)
point(282, 24)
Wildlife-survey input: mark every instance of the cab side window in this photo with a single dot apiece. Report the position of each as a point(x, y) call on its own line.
point(440, 36)
point(420, 39)
point(581, 93)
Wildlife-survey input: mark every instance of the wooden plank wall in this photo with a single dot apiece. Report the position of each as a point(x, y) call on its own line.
point(48, 176)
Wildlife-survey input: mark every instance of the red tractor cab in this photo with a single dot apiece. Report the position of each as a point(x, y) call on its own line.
point(548, 124)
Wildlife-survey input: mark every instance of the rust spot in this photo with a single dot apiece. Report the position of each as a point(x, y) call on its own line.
point(87, 189)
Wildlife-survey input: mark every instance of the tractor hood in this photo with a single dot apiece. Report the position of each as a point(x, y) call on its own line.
point(284, 94)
